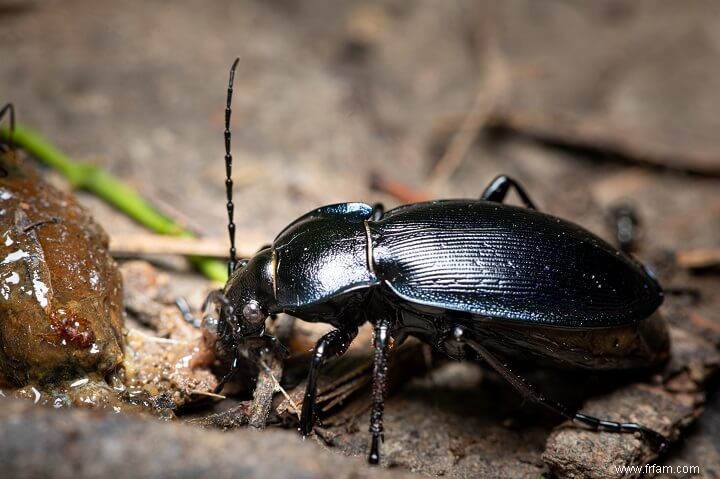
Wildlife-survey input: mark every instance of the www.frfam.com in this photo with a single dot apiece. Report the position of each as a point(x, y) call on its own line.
point(656, 469)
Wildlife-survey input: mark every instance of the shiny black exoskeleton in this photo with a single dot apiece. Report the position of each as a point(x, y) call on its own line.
point(475, 278)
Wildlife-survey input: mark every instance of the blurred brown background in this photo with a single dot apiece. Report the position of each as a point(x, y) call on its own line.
point(329, 91)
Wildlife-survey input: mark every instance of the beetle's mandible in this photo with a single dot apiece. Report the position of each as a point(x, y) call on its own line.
point(475, 278)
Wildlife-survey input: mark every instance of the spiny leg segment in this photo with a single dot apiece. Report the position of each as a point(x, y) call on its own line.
point(595, 424)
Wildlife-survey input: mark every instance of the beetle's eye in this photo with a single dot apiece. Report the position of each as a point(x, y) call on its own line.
point(209, 328)
point(252, 312)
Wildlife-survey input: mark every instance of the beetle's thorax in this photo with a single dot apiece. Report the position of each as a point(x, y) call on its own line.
point(319, 259)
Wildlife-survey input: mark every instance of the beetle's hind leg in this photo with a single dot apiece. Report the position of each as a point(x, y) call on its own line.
point(499, 187)
point(332, 344)
point(659, 441)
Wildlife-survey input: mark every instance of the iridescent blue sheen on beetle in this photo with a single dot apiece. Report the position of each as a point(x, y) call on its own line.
point(475, 278)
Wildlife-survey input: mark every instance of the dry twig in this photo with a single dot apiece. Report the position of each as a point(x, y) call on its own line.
point(271, 370)
point(486, 100)
point(132, 245)
point(698, 258)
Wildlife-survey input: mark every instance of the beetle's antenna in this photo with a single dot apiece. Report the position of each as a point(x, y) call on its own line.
point(10, 110)
point(232, 262)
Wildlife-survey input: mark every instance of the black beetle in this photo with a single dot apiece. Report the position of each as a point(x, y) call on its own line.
point(474, 278)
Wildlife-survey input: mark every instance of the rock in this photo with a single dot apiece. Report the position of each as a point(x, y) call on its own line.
point(60, 290)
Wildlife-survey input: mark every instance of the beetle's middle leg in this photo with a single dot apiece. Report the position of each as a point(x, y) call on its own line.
point(499, 187)
point(528, 392)
point(334, 343)
point(381, 344)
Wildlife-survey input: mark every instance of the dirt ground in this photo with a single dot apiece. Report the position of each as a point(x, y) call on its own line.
point(586, 104)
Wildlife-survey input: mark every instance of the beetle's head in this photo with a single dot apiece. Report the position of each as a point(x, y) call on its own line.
point(248, 301)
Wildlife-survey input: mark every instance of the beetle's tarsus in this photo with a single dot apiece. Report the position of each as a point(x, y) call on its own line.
point(658, 441)
point(374, 457)
point(499, 187)
point(234, 368)
point(218, 389)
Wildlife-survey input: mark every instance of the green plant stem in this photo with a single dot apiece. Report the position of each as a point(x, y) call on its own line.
point(94, 180)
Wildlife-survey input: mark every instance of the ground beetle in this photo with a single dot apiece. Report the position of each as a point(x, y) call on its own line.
point(474, 278)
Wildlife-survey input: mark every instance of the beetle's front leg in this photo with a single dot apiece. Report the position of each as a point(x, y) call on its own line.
point(217, 297)
point(209, 324)
point(254, 347)
point(381, 344)
point(258, 345)
point(334, 343)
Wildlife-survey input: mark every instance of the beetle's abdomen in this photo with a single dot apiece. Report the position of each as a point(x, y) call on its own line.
point(641, 344)
point(508, 263)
